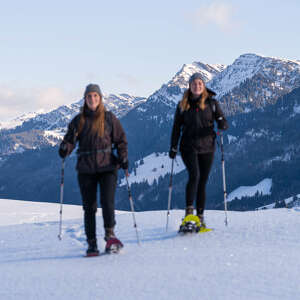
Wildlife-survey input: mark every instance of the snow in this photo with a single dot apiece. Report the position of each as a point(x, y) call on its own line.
point(246, 66)
point(21, 212)
point(284, 157)
point(256, 257)
point(18, 148)
point(283, 72)
point(231, 138)
point(287, 201)
point(269, 206)
point(155, 165)
point(263, 187)
point(297, 109)
point(260, 133)
point(53, 136)
point(19, 120)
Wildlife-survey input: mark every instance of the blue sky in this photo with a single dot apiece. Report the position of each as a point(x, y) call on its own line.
point(51, 50)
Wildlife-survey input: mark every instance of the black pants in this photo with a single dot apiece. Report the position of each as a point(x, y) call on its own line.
point(88, 187)
point(198, 167)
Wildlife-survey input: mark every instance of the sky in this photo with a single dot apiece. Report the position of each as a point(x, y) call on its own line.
point(50, 50)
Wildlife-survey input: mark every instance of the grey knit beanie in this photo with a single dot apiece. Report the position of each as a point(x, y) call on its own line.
point(92, 88)
point(195, 76)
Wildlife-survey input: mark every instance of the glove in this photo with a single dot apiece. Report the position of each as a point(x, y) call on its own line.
point(63, 149)
point(222, 123)
point(172, 153)
point(124, 164)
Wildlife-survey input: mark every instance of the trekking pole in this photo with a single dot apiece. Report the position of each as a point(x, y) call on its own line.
point(132, 209)
point(170, 193)
point(224, 178)
point(61, 198)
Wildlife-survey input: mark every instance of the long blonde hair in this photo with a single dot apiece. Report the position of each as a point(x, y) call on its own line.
point(98, 124)
point(184, 103)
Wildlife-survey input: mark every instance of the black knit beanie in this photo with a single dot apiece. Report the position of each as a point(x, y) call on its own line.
point(195, 76)
point(92, 88)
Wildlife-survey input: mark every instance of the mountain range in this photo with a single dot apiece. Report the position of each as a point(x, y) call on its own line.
point(259, 95)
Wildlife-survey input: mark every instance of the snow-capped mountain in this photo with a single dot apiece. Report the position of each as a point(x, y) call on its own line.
point(253, 81)
point(35, 130)
point(171, 92)
point(153, 118)
point(18, 121)
point(119, 104)
point(262, 143)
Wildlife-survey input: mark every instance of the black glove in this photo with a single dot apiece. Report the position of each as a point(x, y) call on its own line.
point(124, 164)
point(172, 153)
point(222, 123)
point(63, 149)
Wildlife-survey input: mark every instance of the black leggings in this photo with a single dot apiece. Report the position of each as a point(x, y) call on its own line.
point(198, 167)
point(88, 187)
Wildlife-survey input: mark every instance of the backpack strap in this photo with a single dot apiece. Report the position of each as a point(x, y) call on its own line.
point(108, 117)
point(212, 105)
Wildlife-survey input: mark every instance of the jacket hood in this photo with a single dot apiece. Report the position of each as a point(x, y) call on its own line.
point(211, 92)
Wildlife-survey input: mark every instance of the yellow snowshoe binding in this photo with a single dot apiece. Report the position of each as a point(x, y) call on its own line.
point(192, 224)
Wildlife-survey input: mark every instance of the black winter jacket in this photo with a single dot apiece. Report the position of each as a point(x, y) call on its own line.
point(95, 153)
point(196, 126)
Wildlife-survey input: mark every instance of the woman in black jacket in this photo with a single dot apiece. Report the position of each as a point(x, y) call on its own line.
point(194, 122)
point(97, 131)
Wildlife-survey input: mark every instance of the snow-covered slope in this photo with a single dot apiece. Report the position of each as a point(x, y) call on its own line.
point(152, 167)
point(36, 130)
point(119, 104)
point(254, 81)
point(263, 187)
point(171, 92)
point(284, 72)
point(18, 121)
point(255, 257)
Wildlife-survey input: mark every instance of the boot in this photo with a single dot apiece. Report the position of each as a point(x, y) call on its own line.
point(201, 218)
point(189, 210)
point(92, 248)
point(109, 233)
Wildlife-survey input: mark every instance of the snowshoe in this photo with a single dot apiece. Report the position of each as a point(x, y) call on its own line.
point(192, 224)
point(113, 245)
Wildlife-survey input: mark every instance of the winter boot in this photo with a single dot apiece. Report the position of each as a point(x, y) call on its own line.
point(109, 234)
point(189, 210)
point(201, 218)
point(113, 245)
point(92, 248)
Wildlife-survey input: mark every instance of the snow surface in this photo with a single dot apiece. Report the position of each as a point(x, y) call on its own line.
point(154, 166)
point(256, 257)
point(263, 187)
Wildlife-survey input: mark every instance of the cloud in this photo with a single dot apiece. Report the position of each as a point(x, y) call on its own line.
point(17, 101)
point(220, 14)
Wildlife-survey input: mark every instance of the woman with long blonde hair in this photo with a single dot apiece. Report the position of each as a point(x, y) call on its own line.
point(97, 131)
point(194, 123)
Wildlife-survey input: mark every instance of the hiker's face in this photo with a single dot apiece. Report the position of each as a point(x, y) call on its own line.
point(92, 100)
point(197, 87)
